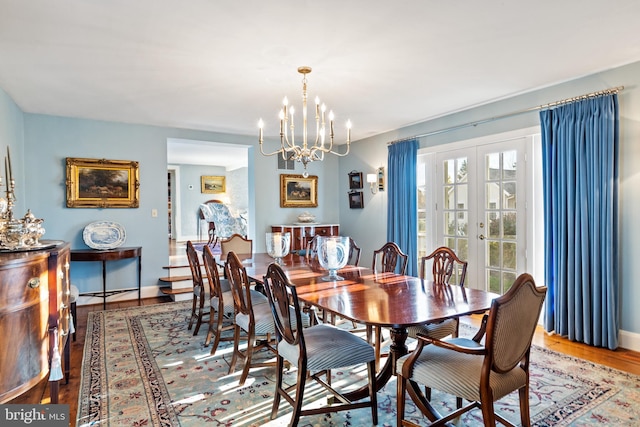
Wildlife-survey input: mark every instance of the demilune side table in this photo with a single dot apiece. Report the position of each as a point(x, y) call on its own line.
point(109, 255)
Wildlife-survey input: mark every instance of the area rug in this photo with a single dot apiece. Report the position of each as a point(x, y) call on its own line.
point(142, 367)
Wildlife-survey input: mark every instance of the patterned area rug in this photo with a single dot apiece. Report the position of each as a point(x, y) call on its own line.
point(142, 367)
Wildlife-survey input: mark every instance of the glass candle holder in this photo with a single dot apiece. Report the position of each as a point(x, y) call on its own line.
point(278, 245)
point(333, 254)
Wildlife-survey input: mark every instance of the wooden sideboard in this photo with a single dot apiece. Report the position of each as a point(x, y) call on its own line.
point(34, 303)
point(302, 233)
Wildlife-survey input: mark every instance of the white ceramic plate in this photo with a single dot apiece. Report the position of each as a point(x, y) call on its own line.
point(104, 235)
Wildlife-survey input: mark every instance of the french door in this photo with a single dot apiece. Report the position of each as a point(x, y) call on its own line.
point(480, 210)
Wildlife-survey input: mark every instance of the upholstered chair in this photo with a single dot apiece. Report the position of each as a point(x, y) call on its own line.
point(467, 369)
point(314, 351)
point(197, 308)
point(236, 243)
point(220, 301)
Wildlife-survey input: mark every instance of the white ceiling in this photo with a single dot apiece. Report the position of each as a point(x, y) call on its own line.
point(222, 65)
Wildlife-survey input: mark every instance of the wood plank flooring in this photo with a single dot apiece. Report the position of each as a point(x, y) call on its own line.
point(621, 359)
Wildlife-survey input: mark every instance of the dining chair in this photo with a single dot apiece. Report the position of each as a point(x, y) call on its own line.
point(197, 308)
point(236, 243)
point(312, 248)
point(388, 259)
point(481, 374)
point(354, 253)
point(220, 301)
point(314, 351)
point(444, 263)
point(251, 315)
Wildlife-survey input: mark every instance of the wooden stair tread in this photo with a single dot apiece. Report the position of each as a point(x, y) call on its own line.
point(169, 291)
point(169, 267)
point(171, 279)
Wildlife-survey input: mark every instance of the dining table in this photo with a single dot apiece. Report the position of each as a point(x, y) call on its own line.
point(390, 300)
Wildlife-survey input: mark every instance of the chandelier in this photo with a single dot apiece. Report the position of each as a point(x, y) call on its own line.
point(307, 152)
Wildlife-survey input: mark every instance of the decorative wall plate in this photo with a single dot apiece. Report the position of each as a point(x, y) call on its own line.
point(104, 235)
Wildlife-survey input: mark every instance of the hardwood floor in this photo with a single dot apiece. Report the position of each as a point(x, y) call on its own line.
point(622, 359)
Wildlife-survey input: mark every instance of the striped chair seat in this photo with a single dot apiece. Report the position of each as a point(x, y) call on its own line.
point(329, 347)
point(435, 330)
point(469, 368)
point(264, 319)
point(227, 301)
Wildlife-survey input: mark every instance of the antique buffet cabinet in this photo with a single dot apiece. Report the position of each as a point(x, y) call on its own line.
point(34, 311)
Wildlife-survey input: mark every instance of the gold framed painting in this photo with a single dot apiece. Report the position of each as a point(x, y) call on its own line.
point(212, 184)
point(297, 191)
point(102, 183)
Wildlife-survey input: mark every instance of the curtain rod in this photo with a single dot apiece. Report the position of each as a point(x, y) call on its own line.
point(514, 113)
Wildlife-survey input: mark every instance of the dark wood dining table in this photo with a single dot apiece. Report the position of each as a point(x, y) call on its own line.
point(379, 299)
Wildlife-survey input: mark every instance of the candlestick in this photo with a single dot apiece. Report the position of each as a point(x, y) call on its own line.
point(9, 161)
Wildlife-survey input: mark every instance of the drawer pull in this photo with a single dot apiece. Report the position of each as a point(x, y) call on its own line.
point(34, 283)
point(63, 306)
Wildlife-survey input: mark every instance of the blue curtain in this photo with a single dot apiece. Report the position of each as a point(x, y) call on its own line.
point(580, 190)
point(402, 204)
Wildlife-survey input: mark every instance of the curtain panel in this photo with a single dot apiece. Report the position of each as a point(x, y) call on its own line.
point(402, 206)
point(580, 191)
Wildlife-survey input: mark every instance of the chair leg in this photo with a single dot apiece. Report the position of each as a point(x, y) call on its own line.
point(297, 406)
point(525, 417)
point(247, 358)
point(193, 312)
point(371, 367)
point(488, 414)
point(199, 315)
point(400, 398)
point(279, 390)
point(236, 348)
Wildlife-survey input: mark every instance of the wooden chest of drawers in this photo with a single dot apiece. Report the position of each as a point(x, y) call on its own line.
point(302, 233)
point(34, 301)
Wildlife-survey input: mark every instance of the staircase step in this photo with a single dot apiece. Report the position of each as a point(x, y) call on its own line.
point(170, 291)
point(171, 267)
point(171, 279)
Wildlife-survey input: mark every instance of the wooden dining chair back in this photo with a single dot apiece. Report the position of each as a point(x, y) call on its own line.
point(236, 243)
point(314, 351)
point(445, 263)
point(389, 259)
point(481, 374)
point(220, 301)
point(312, 248)
point(354, 253)
point(197, 308)
point(251, 315)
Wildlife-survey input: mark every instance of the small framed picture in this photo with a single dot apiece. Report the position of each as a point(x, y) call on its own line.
point(356, 200)
point(212, 184)
point(355, 180)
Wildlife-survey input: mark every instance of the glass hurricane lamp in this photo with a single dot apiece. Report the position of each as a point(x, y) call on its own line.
point(278, 245)
point(333, 254)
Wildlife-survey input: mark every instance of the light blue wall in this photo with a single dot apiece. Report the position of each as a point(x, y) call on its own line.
point(368, 226)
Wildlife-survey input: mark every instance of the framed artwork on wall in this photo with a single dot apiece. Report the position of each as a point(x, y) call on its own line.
point(212, 184)
point(297, 191)
point(355, 180)
point(101, 183)
point(356, 200)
